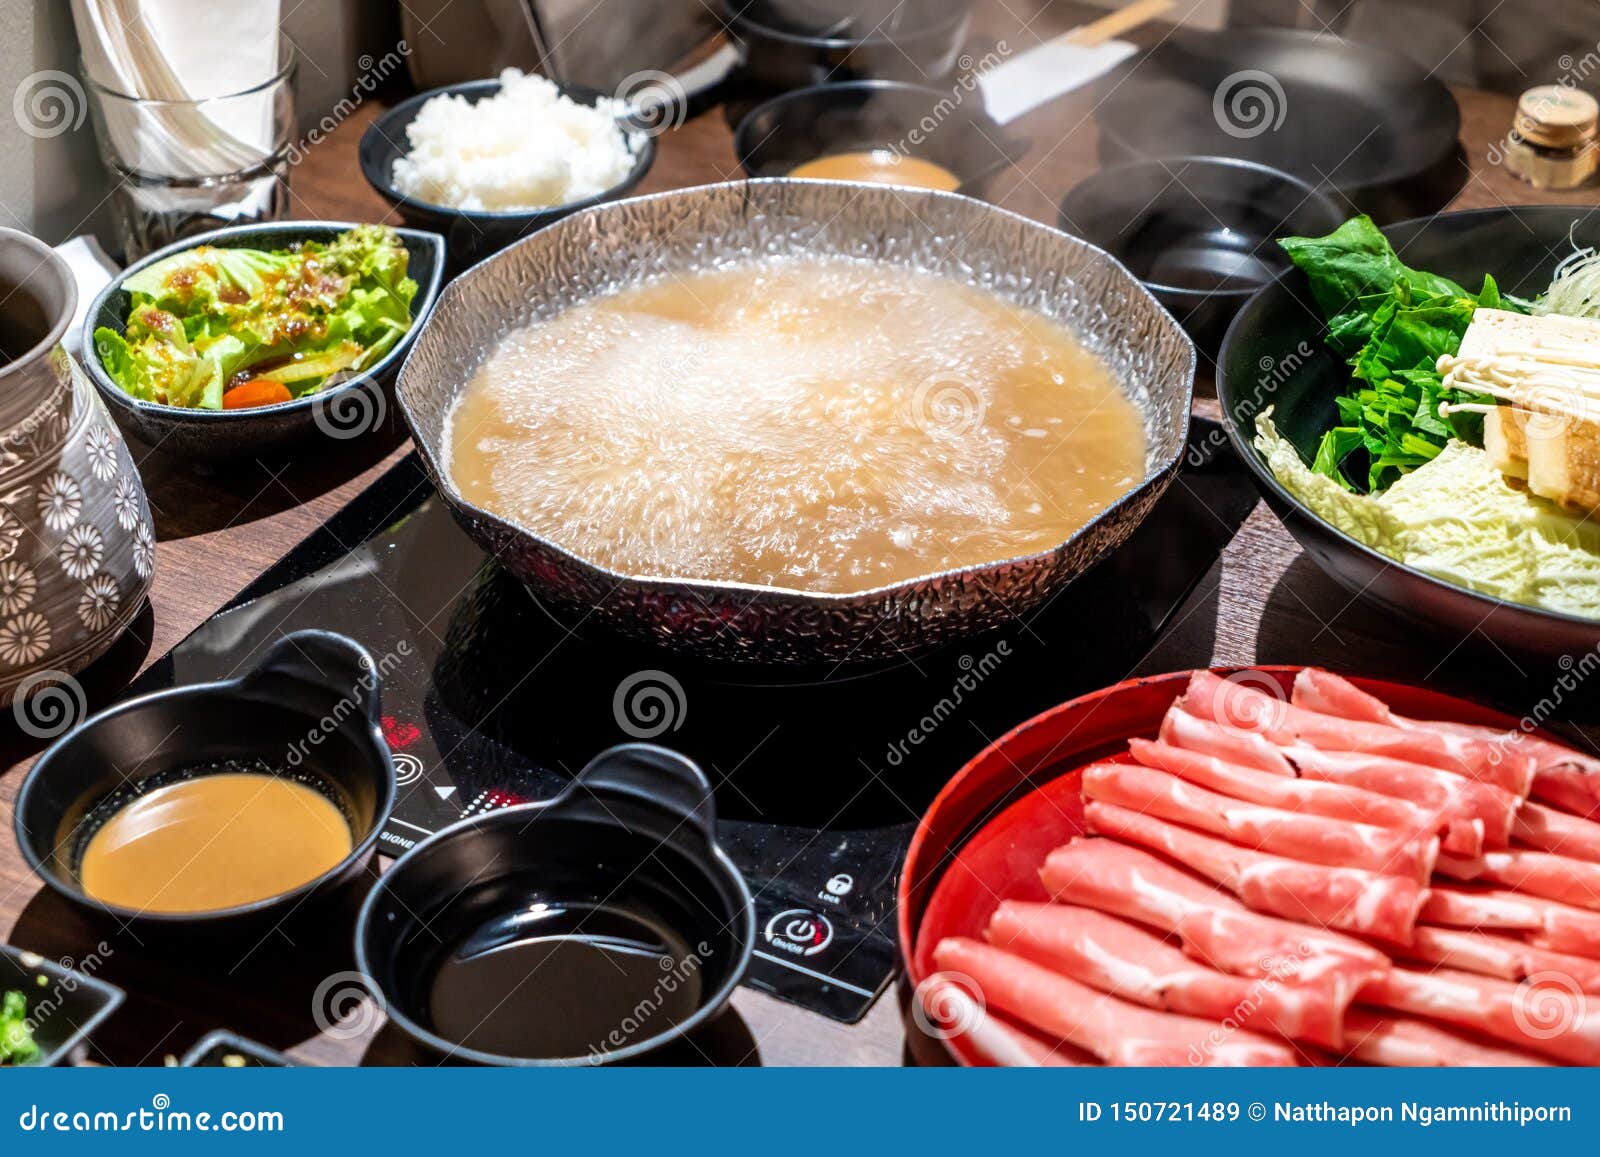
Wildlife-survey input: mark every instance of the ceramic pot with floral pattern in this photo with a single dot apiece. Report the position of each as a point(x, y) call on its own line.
point(76, 544)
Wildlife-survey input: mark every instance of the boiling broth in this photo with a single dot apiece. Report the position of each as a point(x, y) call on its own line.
point(212, 842)
point(813, 423)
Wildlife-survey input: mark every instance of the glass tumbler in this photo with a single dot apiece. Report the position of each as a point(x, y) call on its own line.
point(182, 167)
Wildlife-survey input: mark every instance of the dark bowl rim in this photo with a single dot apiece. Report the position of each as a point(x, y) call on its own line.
point(1313, 196)
point(643, 159)
point(1268, 482)
point(470, 828)
point(108, 998)
point(735, 16)
point(1306, 38)
point(223, 1038)
point(306, 230)
point(222, 689)
point(1155, 475)
point(980, 119)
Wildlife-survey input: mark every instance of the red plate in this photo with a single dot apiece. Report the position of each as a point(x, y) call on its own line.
point(982, 840)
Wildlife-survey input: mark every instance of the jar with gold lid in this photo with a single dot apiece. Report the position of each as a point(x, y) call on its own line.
point(1555, 138)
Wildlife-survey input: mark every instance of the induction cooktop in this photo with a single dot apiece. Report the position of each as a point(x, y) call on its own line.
point(490, 699)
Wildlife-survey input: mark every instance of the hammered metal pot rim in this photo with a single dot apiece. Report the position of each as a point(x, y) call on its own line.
point(461, 287)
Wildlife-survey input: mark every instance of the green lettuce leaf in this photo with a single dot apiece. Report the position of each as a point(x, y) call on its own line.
point(1457, 518)
point(1393, 323)
point(204, 319)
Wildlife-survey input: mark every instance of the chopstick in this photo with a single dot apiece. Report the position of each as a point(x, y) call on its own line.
point(1115, 23)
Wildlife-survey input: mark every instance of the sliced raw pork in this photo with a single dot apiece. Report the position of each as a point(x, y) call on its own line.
point(1404, 1041)
point(1125, 960)
point(1562, 776)
point(1309, 796)
point(1350, 899)
point(1548, 1017)
point(991, 1038)
point(1117, 1032)
point(1212, 926)
point(1315, 839)
point(1500, 956)
point(1440, 796)
point(1249, 708)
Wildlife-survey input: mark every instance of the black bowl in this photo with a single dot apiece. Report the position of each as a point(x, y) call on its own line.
point(345, 411)
point(861, 115)
point(1200, 232)
point(631, 842)
point(227, 1050)
point(311, 707)
point(471, 235)
point(1343, 115)
point(1274, 355)
point(65, 1008)
point(786, 44)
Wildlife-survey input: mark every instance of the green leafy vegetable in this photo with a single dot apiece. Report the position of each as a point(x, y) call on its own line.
point(207, 319)
point(1458, 518)
point(1393, 323)
point(17, 1046)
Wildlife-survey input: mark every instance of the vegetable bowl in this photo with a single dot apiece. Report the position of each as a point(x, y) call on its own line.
point(1280, 382)
point(246, 340)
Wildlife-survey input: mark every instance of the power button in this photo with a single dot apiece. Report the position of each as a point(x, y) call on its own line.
point(799, 932)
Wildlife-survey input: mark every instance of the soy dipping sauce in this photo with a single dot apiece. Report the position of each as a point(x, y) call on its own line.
point(551, 981)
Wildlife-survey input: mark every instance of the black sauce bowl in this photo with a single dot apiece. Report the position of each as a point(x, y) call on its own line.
point(787, 44)
point(473, 234)
point(222, 1049)
point(65, 1004)
point(311, 708)
point(339, 412)
point(860, 115)
point(1200, 232)
point(636, 828)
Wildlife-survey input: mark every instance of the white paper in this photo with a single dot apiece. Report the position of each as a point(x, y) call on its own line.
point(183, 50)
point(93, 271)
point(1043, 73)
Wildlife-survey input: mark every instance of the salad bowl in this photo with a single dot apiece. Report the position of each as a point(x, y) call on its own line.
point(353, 407)
point(1273, 355)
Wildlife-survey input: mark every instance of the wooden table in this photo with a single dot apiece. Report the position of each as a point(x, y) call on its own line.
point(1264, 601)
